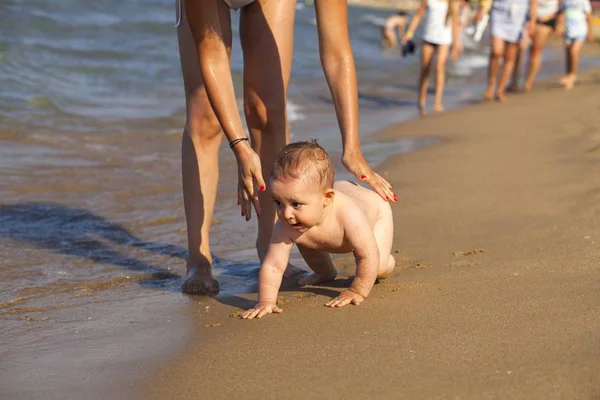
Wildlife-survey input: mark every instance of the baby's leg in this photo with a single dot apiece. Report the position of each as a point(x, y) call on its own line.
point(320, 262)
point(384, 235)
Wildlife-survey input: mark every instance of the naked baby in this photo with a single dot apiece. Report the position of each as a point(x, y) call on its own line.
point(322, 217)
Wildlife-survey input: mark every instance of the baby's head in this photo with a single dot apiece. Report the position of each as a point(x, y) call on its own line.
point(305, 161)
point(302, 184)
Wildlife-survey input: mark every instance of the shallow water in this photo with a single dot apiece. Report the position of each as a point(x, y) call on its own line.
point(91, 109)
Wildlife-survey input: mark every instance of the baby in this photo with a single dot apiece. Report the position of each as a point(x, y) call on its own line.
point(323, 217)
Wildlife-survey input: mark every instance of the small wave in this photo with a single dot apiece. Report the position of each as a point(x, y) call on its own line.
point(294, 112)
point(373, 19)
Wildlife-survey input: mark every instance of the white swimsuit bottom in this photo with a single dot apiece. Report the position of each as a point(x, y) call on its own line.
point(233, 4)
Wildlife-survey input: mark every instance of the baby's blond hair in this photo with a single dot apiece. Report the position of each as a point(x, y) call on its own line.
point(302, 160)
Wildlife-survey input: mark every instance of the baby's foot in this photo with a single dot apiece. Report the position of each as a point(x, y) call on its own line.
point(438, 108)
point(292, 272)
point(316, 279)
point(199, 280)
point(388, 269)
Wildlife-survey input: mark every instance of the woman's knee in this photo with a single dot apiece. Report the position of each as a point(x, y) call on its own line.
point(266, 114)
point(202, 123)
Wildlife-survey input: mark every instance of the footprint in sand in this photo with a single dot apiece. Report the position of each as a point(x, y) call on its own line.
point(462, 264)
point(212, 325)
point(469, 253)
point(397, 287)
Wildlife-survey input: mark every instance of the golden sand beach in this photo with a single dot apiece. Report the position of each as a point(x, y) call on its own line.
point(496, 292)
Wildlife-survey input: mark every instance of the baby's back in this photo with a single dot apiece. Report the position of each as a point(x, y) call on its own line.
point(371, 204)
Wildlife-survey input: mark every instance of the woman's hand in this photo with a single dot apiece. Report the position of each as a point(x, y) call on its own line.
point(559, 28)
point(357, 165)
point(250, 179)
point(455, 52)
point(530, 28)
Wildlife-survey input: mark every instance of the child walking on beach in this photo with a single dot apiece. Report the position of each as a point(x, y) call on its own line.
point(322, 217)
point(578, 27)
point(442, 27)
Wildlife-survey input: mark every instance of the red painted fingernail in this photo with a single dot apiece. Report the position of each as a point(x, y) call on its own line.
point(247, 218)
point(395, 198)
point(363, 177)
point(262, 188)
point(387, 198)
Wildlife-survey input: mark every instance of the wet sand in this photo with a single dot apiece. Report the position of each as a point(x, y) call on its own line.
point(496, 289)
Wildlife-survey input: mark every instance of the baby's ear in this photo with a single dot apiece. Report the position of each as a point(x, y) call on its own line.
point(328, 197)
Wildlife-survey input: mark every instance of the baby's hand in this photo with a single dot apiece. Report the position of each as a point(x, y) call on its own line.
point(261, 309)
point(346, 297)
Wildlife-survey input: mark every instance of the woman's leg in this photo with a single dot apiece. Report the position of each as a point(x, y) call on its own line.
point(565, 77)
point(573, 63)
point(519, 61)
point(199, 161)
point(267, 36)
point(496, 52)
point(510, 55)
point(427, 51)
point(440, 76)
point(535, 54)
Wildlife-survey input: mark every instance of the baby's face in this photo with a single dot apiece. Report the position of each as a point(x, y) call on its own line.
point(299, 202)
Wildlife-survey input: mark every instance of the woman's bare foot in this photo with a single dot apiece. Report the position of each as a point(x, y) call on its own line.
point(422, 110)
point(387, 271)
point(316, 279)
point(199, 280)
point(528, 87)
point(569, 81)
point(488, 94)
point(438, 108)
point(501, 97)
point(563, 80)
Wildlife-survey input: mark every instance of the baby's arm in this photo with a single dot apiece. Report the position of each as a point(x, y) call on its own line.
point(359, 234)
point(271, 274)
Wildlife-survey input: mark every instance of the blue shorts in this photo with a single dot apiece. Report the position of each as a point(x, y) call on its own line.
point(571, 39)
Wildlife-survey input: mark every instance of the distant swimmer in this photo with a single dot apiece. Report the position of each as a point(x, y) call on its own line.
point(393, 29)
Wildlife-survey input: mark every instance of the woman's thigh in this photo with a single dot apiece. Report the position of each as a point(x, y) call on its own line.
point(267, 37)
point(197, 102)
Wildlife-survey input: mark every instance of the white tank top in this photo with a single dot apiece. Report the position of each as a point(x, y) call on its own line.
point(437, 29)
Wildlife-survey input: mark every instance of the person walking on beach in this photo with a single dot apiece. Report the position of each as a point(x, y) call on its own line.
point(442, 21)
point(266, 33)
point(508, 17)
point(549, 20)
point(578, 27)
point(322, 217)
